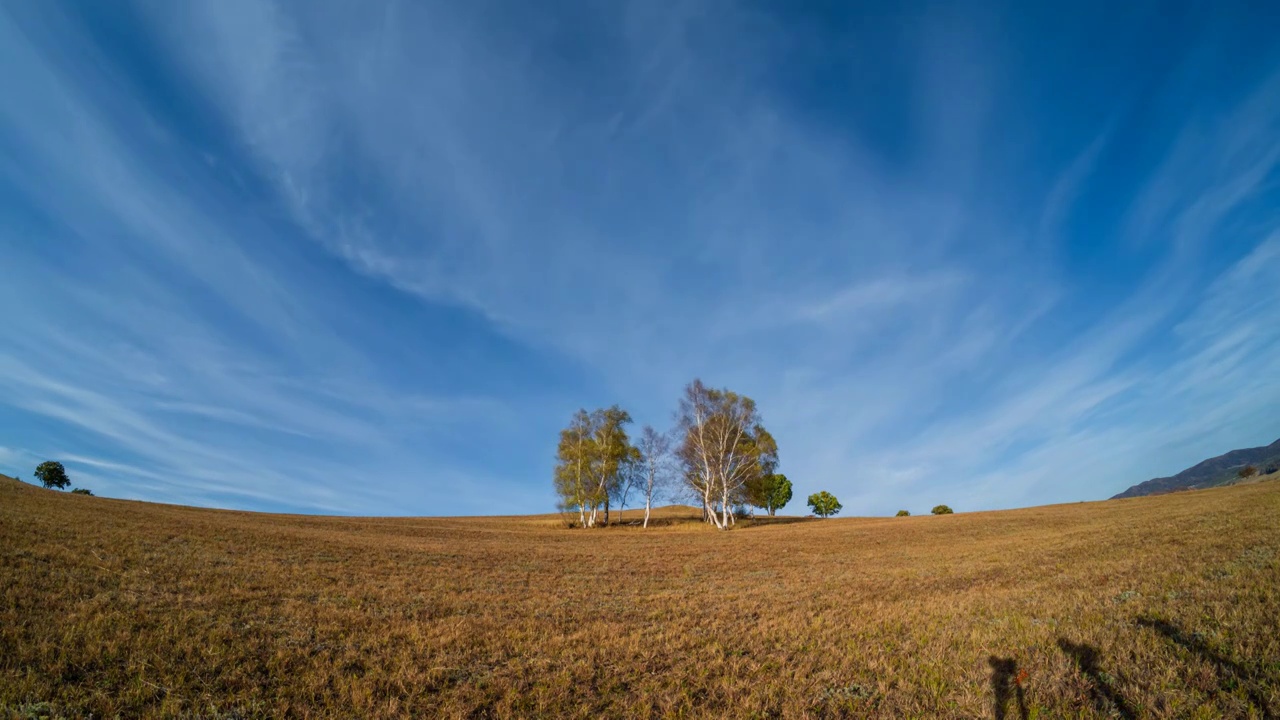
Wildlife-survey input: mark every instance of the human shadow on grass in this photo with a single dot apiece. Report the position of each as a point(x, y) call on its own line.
point(1104, 694)
point(1227, 669)
point(1006, 684)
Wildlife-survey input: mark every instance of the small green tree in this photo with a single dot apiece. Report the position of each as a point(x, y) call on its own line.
point(903, 513)
point(1247, 472)
point(824, 504)
point(82, 491)
point(52, 475)
point(770, 492)
point(941, 510)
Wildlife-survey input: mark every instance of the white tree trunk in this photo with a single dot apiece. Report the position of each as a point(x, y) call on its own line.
point(714, 517)
point(724, 508)
point(708, 508)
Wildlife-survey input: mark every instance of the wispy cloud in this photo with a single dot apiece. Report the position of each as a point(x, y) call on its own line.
point(366, 258)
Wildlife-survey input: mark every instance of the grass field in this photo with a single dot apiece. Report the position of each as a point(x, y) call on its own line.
point(1151, 607)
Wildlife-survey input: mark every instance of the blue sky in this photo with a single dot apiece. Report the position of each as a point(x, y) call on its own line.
point(368, 257)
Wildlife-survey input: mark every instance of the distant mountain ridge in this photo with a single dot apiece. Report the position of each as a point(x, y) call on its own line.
point(1213, 472)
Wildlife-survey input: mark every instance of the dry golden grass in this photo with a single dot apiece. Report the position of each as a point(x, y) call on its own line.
point(1151, 607)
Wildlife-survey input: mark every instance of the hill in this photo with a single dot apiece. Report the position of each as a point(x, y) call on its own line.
point(1213, 472)
point(1150, 607)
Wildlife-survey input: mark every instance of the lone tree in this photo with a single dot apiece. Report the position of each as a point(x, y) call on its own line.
point(771, 492)
point(52, 475)
point(723, 448)
point(1247, 472)
point(941, 510)
point(824, 504)
point(904, 513)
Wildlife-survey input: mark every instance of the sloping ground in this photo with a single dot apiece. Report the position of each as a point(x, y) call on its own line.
point(1166, 606)
point(1214, 472)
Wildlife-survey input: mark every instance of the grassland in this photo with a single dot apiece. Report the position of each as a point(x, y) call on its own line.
point(1162, 606)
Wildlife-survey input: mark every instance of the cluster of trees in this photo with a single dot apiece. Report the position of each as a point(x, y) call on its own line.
point(719, 455)
point(597, 464)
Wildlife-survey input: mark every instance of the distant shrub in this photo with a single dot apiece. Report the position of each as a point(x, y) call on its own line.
point(941, 510)
point(1271, 470)
point(1247, 472)
point(82, 491)
point(903, 513)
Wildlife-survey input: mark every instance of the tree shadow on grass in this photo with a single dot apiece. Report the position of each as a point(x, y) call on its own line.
point(1104, 694)
point(777, 520)
point(1006, 683)
point(1227, 669)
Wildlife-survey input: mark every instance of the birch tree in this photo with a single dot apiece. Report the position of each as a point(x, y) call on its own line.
point(630, 479)
point(592, 460)
point(723, 448)
point(655, 463)
point(574, 479)
point(612, 450)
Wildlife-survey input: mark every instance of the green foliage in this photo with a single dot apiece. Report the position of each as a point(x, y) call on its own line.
point(771, 492)
point(1247, 472)
point(941, 510)
point(904, 513)
point(573, 463)
point(824, 504)
point(52, 475)
point(82, 491)
point(595, 459)
point(779, 493)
